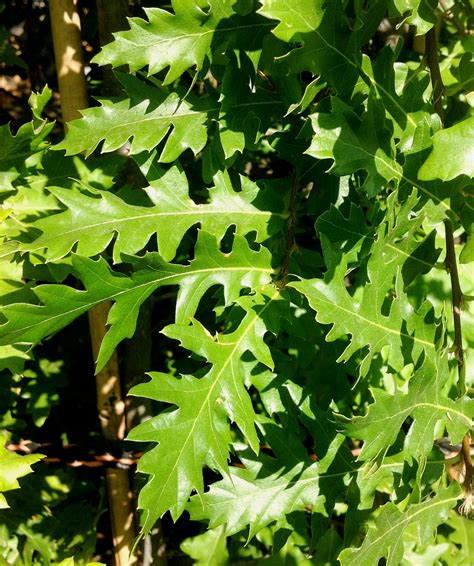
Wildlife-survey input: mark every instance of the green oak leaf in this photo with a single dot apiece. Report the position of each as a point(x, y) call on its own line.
point(357, 143)
point(61, 304)
point(385, 537)
point(402, 91)
point(208, 549)
point(406, 333)
point(116, 122)
point(424, 402)
point(265, 489)
point(91, 221)
point(246, 112)
point(182, 40)
point(329, 44)
point(453, 153)
point(12, 467)
point(197, 432)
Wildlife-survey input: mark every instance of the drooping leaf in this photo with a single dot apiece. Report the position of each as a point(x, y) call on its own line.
point(92, 221)
point(61, 304)
point(197, 432)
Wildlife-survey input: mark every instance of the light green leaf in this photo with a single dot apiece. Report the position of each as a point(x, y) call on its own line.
point(385, 539)
point(12, 467)
point(92, 221)
point(197, 432)
point(242, 267)
point(208, 549)
point(453, 153)
point(418, 13)
point(424, 402)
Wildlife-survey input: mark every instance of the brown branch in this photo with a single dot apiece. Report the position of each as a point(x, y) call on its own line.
point(290, 240)
point(431, 54)
point(457, 301)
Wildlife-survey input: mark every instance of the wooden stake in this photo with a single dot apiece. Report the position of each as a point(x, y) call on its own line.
point(66, 31)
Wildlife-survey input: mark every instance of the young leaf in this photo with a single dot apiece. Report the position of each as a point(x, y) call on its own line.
point(208, 549)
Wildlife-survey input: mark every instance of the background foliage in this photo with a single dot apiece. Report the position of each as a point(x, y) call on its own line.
point(274, 223)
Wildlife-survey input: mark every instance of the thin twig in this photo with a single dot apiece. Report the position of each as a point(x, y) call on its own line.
point(431, 55)
point(290, 241)
point(457, 300)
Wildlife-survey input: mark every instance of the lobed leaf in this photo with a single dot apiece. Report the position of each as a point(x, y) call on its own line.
point(406, 333)
point(12, 467)
point(181, 40)
point(425, 402)
point(356, 144)
point(90, 222)
point(197, 432)
point(62, 304)
point(452, 154)
point(385, 538)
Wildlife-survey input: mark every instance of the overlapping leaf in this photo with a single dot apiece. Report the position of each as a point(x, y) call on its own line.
point(425, 402)
point(92, 221)
point(328, 44)
point(266, 489)
point(245, 112)
point(406, 333)
point(385, 538)
point(356, 143)
point(62, 304)
point(208, 549)
point(417, 13)
point(115, 123)
point(197, 432)
point(453, 153)
point(183, 39)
